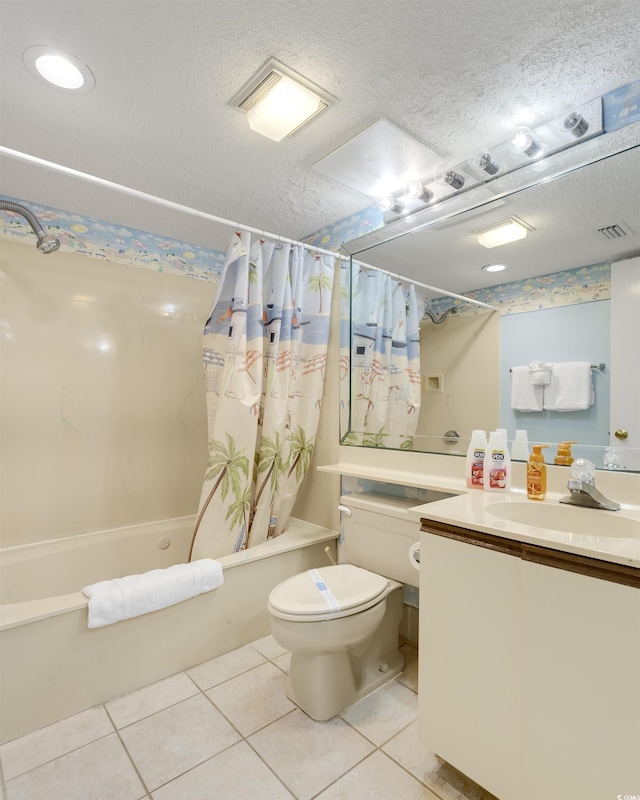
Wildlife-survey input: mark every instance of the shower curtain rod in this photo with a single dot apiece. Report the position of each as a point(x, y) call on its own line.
point(119, 187)
point(431, 288)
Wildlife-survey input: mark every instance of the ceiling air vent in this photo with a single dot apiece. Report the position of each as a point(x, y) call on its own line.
point(259, 91)
point(312, 98)
point(617, 231)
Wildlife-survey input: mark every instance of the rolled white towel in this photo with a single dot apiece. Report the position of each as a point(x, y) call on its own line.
point(540, 373)
point(571, 387)
point(524, 395)
point(133, 595)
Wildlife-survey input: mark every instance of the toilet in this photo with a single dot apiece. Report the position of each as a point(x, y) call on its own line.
point(341, 623)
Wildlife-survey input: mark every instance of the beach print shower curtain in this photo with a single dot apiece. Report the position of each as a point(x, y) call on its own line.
point(265, 353)
point(385, 360)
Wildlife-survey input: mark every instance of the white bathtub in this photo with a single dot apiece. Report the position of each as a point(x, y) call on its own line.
point(52, 665)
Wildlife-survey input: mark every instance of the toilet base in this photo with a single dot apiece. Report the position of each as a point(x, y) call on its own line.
point(324, 684)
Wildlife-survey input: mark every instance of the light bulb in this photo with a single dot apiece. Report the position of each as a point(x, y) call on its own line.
point(522, 141)
point(575, 124)
point(415, 190)
point(453, 179)
point(487, 164)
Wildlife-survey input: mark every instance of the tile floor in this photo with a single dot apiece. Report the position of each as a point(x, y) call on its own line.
point(225, 729)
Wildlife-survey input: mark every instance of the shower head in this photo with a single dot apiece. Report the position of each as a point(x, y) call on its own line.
point(46, 242)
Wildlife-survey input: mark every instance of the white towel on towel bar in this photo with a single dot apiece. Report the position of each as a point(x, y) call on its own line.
point(123, 598)
point(540, 373)
point(524, 395)
point(570, 388)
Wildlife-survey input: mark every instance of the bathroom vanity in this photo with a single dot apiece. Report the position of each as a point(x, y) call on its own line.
point(530, 652)
point(529, 646)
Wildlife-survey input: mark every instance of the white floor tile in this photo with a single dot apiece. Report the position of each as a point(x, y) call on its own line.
point(268, 647)
point(237, 773)
point(225, 666)
point(443, 779)
point(98, 771)
point(283, 662)
point(377, 778)
point(407, 750)
point(55, 740)
point(383, 713)
point(307, 756)
point(172, 741)
point(253, 699)
point(137, 705)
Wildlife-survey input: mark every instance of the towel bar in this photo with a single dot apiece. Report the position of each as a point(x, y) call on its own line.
point(600, 366)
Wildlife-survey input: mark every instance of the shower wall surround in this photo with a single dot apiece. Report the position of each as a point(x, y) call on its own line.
point(103, 420)
point(103, 412)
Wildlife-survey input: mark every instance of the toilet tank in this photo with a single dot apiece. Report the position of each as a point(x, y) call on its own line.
point(378, 534)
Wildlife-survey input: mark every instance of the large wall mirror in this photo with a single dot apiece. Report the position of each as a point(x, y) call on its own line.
point(570, 293)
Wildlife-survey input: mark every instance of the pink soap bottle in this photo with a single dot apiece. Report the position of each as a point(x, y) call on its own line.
point(474, 466)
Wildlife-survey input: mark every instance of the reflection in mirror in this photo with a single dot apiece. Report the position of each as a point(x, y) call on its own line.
point(569, 291)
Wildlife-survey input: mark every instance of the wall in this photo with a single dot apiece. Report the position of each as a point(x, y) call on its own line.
point(569, 333)
point(103, 413)
point(465, 351)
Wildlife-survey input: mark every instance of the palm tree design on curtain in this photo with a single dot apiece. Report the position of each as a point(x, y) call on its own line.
point(374, 439)
point(318, 282)
point(300, 453)
point(226, 464)
point(269, 460)
point(300, 450)
point(238, 515)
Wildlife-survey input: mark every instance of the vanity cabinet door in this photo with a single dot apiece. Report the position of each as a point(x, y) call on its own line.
point(580, 686)
point(470, 642)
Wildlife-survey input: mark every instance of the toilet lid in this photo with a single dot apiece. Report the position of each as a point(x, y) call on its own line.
point(328, 591)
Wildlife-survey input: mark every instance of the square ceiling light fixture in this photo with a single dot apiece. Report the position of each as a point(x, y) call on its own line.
point(509, 230)
point(278, 101)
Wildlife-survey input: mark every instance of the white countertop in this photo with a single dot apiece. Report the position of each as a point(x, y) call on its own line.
point(471, 510)
point(468, 509)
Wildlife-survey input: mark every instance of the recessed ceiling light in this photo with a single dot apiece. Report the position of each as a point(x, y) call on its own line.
point(58, 68)
point(509, 230)
point(494, 267)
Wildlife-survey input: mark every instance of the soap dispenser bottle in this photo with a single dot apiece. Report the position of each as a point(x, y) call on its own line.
point(537, 474)
point(563, 456)
point(497, 464)
point(475, 460)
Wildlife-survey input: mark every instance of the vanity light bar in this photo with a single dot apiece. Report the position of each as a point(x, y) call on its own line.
point(525, 148)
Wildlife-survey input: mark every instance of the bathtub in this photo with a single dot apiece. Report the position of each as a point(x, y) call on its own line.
point(53, 666)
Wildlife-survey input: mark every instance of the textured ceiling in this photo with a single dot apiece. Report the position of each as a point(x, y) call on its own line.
point(453, 75)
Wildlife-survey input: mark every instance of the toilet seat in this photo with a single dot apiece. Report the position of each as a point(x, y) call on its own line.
point(327, 593)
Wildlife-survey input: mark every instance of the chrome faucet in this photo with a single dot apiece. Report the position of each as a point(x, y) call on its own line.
point(583, 490)
point(585, 494)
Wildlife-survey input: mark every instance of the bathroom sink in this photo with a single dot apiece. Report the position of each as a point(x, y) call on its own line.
point(568, 519)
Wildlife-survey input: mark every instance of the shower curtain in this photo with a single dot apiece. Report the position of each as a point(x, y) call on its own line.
point(265, 352)
point(385, 361)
